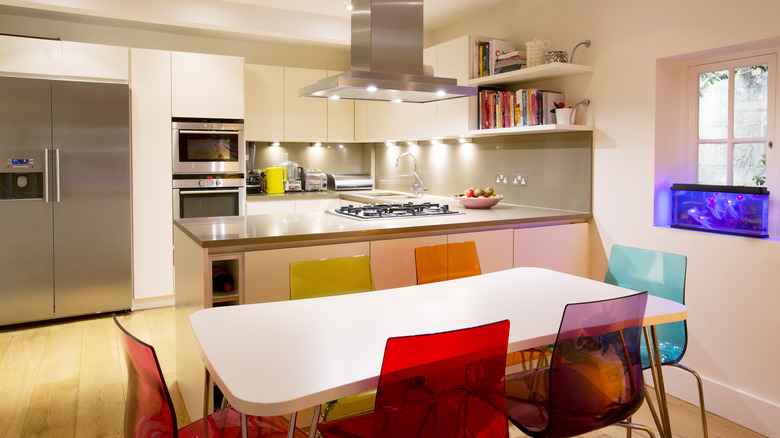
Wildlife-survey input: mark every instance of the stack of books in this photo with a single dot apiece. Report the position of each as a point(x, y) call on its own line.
point(486, 54)
point(510, 61)
point(525, 107)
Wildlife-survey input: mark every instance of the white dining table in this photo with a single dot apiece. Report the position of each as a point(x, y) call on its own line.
point(282, 357)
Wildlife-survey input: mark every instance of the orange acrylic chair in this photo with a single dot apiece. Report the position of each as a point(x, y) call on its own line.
point(448, 384)
point(446, 262)
point(595, 376)
point(149, 409)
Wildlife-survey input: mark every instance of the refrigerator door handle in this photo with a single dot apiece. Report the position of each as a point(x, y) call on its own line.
point(46, 176)
point(57, 173)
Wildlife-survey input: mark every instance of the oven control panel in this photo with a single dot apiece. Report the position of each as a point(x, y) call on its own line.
point(210, 183)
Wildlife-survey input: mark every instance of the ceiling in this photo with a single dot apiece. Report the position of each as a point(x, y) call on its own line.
point(324, 21)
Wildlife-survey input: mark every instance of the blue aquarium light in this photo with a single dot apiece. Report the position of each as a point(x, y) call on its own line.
point(721, 209)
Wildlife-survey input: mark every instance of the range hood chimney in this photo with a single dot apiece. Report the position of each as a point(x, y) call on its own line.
point(387, 58)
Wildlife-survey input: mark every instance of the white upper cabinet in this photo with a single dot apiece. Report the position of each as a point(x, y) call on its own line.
point(305, 118)
point(207, 86)
point(341, 118)
point(457, 116)
point(30, 56)
point(95, 61)
point(422, 117)
point(264, 104)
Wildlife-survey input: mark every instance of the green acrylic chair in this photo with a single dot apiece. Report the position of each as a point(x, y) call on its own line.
point(328, 277)
point(663, 275)
point(334, 276)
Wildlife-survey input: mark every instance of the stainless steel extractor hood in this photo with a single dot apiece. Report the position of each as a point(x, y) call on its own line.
point(387, 58)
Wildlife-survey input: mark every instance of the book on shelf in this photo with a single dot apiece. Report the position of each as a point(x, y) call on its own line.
point(499, 108)
point(486, 55)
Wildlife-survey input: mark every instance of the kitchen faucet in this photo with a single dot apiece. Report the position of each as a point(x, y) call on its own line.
point(416, 184)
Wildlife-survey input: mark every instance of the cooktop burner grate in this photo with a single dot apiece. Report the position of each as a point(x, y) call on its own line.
point(393, 211)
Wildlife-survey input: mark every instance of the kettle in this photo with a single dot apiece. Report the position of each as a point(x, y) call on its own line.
point(274, 179)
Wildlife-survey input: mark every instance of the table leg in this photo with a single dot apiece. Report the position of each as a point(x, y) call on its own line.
point(663, 423)
point(243, 425)
point(314, 421)
point(291, 427)
point(206, 394)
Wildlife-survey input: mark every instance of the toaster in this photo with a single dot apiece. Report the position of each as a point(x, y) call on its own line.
point(314, 180)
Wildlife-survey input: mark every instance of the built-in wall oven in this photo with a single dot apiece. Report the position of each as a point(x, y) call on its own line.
point(208, 146)
point(208, 195)
point(209, 165)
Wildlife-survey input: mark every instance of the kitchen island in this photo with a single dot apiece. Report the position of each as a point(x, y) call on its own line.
point(257, 250)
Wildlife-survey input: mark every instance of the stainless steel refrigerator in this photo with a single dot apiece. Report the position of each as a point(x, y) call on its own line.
point(65, 200)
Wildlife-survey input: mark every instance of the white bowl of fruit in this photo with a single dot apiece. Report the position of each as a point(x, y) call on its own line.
point(478, 198)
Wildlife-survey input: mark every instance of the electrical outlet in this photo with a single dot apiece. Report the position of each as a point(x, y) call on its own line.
point(501, 178)
point(519, 179)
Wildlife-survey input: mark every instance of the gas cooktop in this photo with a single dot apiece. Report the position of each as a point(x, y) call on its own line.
point(394, 211)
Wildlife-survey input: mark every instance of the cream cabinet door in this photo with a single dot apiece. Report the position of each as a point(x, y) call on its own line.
point(305, 118)
point(316, 205)
point(264, 87)
point(30, 56)
point(267, 273)
point(95, 61)
point(456, 116)
point(422, 117)
point(392, 261)
point(269, 207)
point(563, 248)
point(207, 86)
point(152, 191)
point(341, 118)
point(494, 248)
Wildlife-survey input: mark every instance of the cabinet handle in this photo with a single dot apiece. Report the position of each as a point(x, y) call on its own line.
point(57, 179)
point(208, 132)
point(46, 176)
point(207, 192)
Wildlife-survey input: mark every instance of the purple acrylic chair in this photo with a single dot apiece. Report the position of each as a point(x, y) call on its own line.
point(149, 409)
point(443, 385)
point(595, 375)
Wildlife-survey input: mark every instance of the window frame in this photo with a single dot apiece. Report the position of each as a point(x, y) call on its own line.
point(737, 60)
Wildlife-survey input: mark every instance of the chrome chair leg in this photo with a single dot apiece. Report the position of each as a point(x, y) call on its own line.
point(314, 421)
point(634, 426)
point(701, 395)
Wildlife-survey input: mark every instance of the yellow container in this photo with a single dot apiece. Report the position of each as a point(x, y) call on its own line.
point(274, 179)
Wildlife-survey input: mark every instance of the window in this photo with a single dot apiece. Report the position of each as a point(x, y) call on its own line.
point(732, 128)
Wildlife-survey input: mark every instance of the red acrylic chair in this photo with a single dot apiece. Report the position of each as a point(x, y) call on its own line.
point(446, 262)
point(595, 375)
point(447, 385)
point(149, 409)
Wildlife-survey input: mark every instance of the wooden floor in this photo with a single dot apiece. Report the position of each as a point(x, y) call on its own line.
point(68, 379)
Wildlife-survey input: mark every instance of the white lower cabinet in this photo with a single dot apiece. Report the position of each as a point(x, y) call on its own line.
point(563, 248)
point(494, 248)
point(270, 207)
point(267, 273)
point(392, 260)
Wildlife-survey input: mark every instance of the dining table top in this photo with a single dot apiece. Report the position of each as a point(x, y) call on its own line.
point(282, 357)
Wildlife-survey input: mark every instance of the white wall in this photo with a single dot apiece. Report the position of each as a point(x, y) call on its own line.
point(733, 282)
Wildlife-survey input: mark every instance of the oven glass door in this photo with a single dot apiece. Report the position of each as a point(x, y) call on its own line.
point(208, 151)
point(190, 203)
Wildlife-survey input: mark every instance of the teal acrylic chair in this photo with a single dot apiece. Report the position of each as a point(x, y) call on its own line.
point(663, 275)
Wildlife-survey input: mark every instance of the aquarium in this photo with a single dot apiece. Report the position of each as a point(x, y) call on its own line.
point(721, 209)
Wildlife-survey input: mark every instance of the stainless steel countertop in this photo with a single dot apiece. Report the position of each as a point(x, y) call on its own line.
point(269, 231)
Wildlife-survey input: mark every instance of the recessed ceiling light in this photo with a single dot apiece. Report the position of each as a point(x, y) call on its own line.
point(348, 7)
point(441, 93)
point(335, 97)
point(371, 88)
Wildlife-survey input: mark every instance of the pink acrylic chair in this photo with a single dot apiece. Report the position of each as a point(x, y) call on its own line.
point(149, 409)
point(447, 385)
point(595, 376)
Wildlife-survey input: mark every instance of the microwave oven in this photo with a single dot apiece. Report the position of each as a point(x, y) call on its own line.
point(207, 146)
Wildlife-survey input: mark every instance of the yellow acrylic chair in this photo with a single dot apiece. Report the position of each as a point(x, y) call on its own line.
point(326, 277)
point(446, 262)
